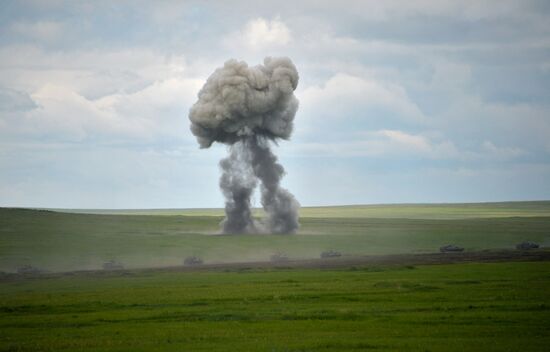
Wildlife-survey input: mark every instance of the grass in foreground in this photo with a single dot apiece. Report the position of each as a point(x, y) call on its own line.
point(466, 307)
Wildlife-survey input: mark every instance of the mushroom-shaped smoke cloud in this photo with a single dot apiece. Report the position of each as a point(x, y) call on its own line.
point(247, 108)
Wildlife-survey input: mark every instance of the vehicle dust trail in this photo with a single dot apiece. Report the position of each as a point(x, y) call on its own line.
point(249, 109)
point(344, 262)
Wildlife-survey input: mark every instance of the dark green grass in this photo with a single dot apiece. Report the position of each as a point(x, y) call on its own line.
point(463, 307)
point(61, 242)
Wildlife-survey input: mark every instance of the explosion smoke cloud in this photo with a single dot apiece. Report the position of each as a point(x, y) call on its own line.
point(248, 108)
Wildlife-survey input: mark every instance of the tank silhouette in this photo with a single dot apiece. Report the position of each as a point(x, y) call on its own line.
point(330, 254)
point(527, 245)
point(279, 257)
point(28, 269)
point(112, 265)
point(451, 248)
point(192, 261)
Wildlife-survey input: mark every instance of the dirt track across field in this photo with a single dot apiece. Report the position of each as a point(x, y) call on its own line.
point(332, 263)
point(393, 259)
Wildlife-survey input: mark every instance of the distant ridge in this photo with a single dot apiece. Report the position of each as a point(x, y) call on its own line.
point(404, 210)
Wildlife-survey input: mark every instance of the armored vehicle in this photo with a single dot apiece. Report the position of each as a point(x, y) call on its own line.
point(28, 269)
point(330, 254)
point(192, 261)
point(112, 265)
point(279, 257)
point(527, 245)
point(451, 248)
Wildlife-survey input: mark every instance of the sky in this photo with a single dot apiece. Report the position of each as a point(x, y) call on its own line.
point(400, 101)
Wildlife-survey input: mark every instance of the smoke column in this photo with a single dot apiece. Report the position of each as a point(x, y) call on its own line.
point(249, 109)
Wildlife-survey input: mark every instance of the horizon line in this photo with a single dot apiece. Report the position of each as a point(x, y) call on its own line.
point(306, 206)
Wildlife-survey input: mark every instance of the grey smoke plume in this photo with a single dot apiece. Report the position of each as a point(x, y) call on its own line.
point(248, 108)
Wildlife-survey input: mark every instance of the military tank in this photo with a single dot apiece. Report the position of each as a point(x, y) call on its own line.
point(112, 265)
point(527, 245)
point(28, 269)
point(451, 248)
point(330, 254)
point(279, 257)
point(193, 260)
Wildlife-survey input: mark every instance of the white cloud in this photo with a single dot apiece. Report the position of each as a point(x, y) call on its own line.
point(151, 113)
point(124, 94)
point(31, 67)
point(470, 118)
point(395, 144)
point(342, 92)
point(396, 9)
point(501, 152)
point(260, 34)
point(382, 143)
point(40, 30)
point(450, 77)
point(406, 141)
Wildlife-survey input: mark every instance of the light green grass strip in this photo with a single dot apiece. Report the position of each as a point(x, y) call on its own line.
point(388, 211)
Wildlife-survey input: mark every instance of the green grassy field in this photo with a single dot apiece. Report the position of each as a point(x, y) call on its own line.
point(461, 307)
point(57, 241)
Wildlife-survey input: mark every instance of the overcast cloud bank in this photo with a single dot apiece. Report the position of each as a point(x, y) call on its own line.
point(408, 102)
